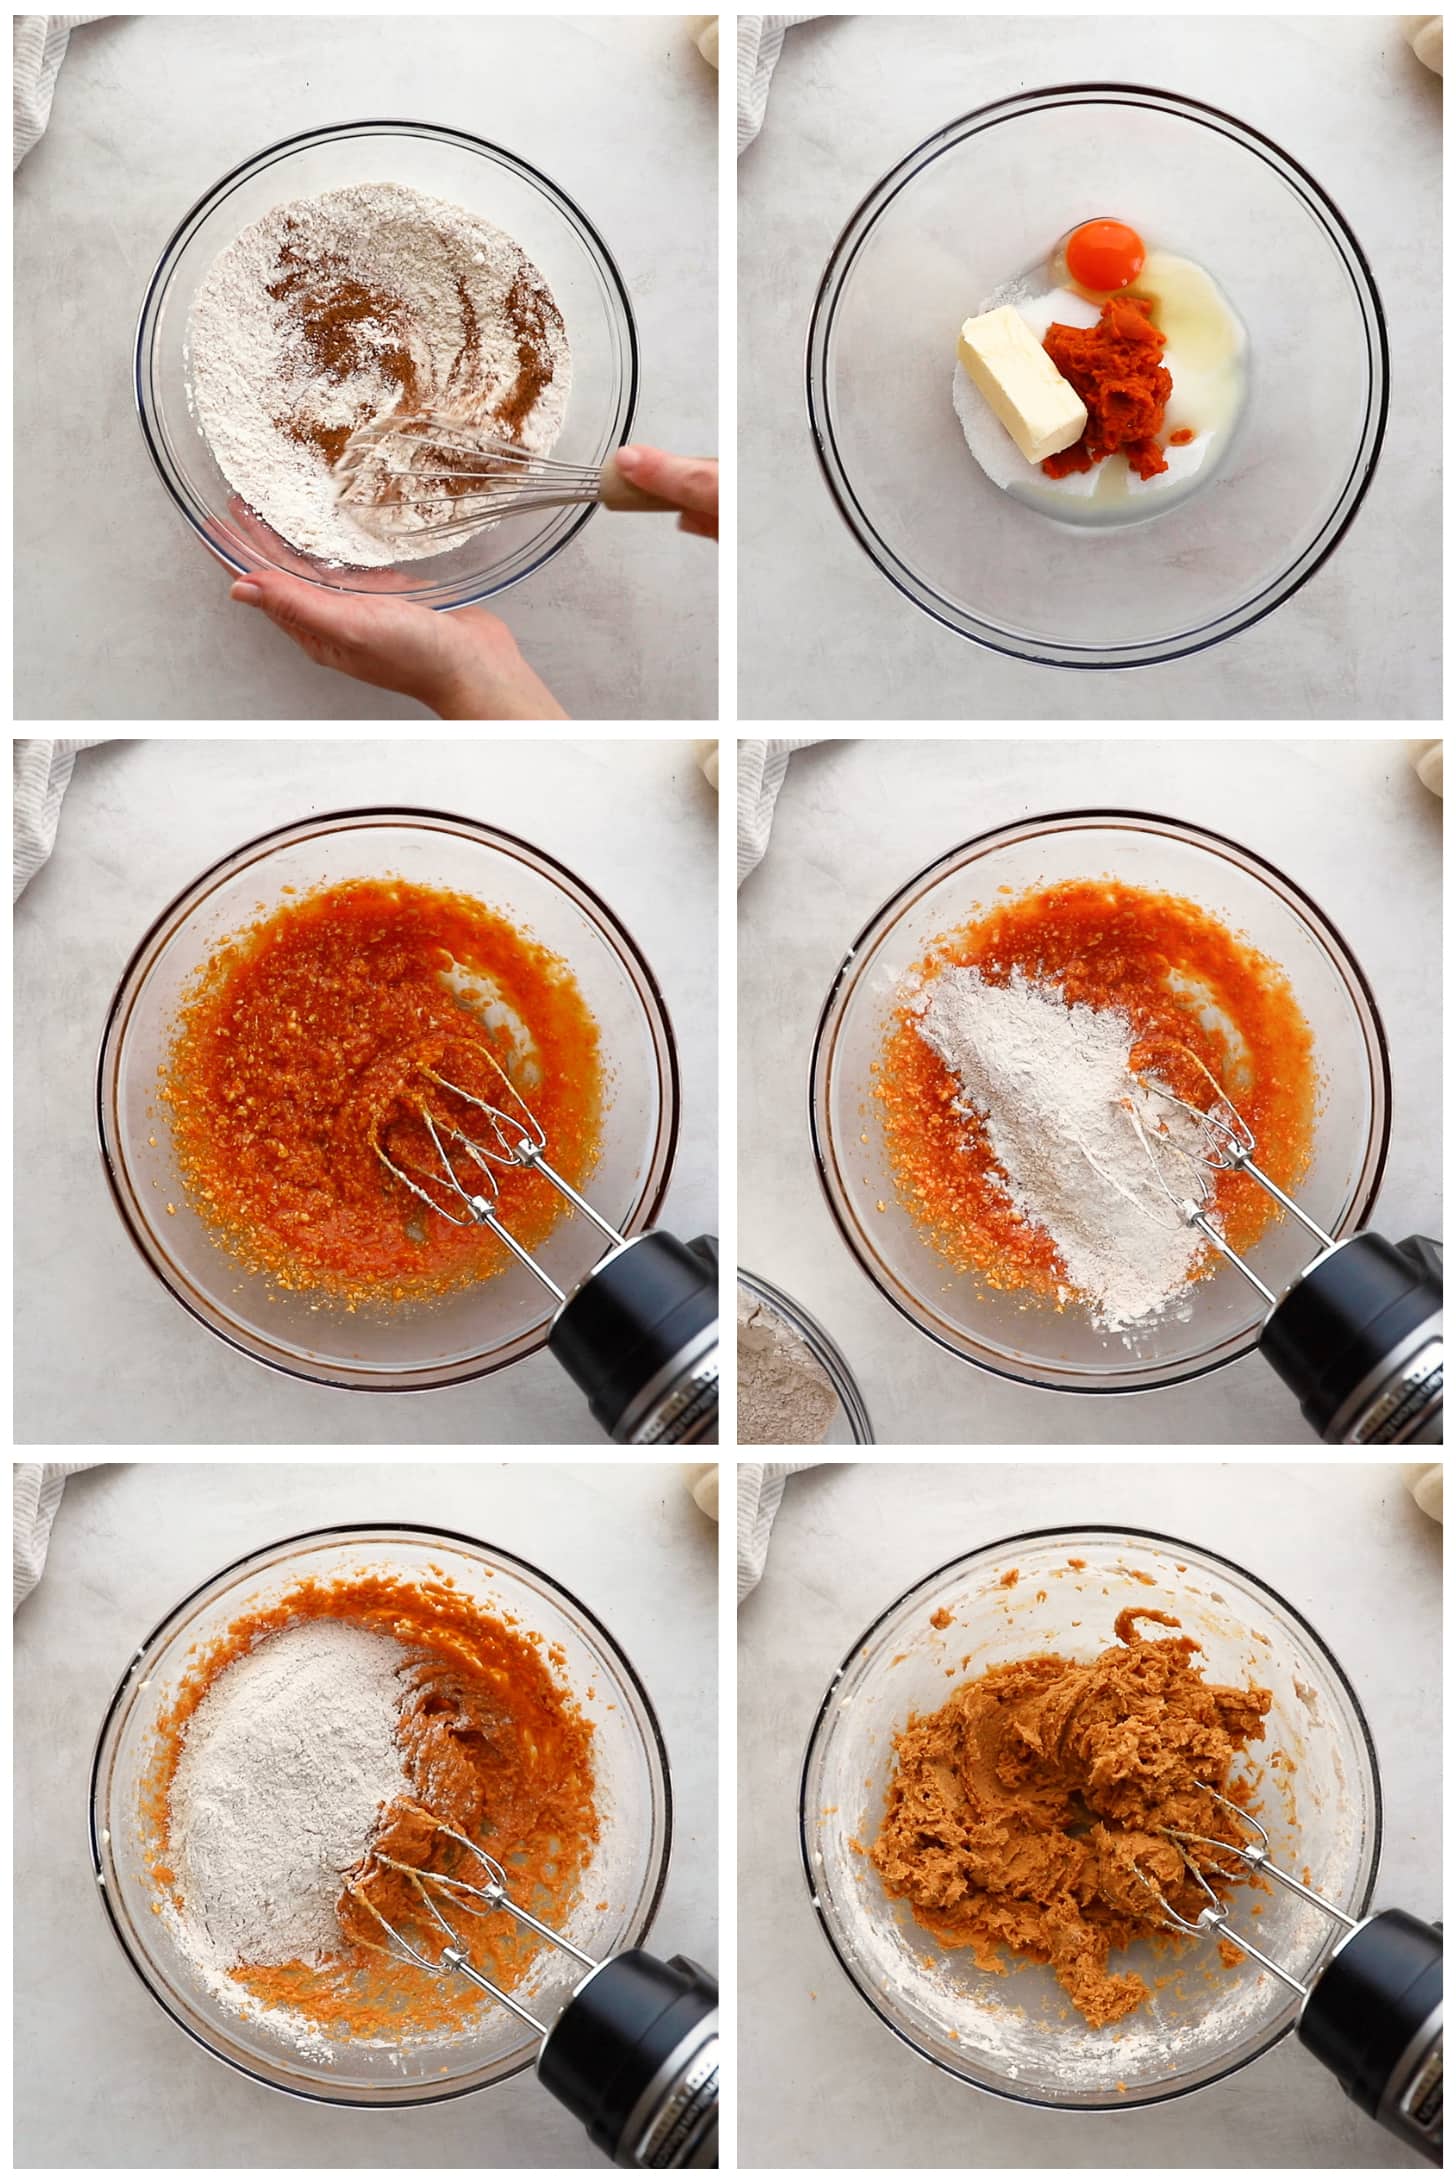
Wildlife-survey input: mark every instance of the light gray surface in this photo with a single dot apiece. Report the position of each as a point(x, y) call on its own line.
point(823, 636)
point(120, 613)
point(823, 2083)
point(102, 2079)
point(1347, 821)
point(103, 1354)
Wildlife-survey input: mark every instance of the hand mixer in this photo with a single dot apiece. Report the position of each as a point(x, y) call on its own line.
point(439, 473)
point(634, 2053)
point(1371, 2012)
point(639, 1334)
point(1357, 1336)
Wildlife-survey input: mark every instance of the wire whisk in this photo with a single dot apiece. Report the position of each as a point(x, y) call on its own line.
point(432, 471)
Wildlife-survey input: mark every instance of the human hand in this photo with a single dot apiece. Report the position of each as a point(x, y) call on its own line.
point(690, 482)
point(463, 666)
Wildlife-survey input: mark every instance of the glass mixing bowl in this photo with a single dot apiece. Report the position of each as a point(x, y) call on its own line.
point(996, 1329)
point(619, 1891)
point(977, 204)
point(1017, 2035)
point(850, 1424)
point(472, 1331)
point(554, 233)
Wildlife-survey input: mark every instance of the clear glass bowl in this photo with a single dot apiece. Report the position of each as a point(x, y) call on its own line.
point(995, 1329)
point(851, 1422)
point(1017, 2035)
point(472, 1331)
point(978, 203)
point(554, 233)
point(620, 1887)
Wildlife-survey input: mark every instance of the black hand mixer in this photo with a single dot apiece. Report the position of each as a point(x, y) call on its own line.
point(1358, 1336)
point(1371, 2012)
point(634, 2052)
point(639, 1335)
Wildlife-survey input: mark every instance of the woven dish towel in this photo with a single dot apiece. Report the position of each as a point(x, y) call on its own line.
point(42, 774)
point(760, 1490)
point(38, 1491)
point(760, 42)
point(40, 48)
point(763, 761)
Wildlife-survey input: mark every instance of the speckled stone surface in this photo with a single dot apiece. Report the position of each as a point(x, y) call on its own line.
point(822, 635)
point(824, 2084)
point(1347, 821)
point(102, 2079)
point(120, 613)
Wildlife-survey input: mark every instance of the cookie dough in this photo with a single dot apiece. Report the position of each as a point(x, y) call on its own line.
point(1019, 1808)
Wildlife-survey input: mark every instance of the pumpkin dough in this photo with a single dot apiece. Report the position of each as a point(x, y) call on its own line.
point(1019, 1808)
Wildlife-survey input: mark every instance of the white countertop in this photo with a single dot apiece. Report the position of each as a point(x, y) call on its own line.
point(103, 1354)
point(102, 2079)
point(823, 2084)
point(120, 613)
point(1346, 820)
point(823, 636)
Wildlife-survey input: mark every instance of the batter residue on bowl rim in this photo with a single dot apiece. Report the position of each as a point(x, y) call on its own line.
point(298, 1053)
point(1019, 1808)
point(273, 1781)
point(1020, 1165)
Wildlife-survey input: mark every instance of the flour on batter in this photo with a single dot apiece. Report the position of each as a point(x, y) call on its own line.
point(333, 310)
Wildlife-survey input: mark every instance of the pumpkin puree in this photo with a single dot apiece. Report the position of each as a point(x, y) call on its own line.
point(300, 1043)
point(1159, 959)
point(1116, 367)
point(493, 1745)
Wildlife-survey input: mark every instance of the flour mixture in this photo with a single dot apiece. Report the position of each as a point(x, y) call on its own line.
point(351, 1718)
point(333, 310)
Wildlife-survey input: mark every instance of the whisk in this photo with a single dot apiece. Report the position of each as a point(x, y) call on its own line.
point(431, 471)
point(1358, 1334)
point(1370, 2009)
point(634, 2052)
point(639, 1334)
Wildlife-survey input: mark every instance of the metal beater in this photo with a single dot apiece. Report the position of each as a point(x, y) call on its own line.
point(1358, 1336)
point(639, 1335)
point(634, 2053)
point(1373, 2010)
point(434, 472)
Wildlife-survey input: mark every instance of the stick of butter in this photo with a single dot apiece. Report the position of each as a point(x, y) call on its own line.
point(1008, 365)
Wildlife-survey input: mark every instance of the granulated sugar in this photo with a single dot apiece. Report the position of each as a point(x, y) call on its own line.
point(1051, 1084)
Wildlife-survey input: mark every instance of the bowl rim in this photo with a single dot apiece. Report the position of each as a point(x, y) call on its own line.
point(664, 1156)
point(197, 214)
point(1076, 1534)
point(655, 1744)
point(1044, 652)
point(881, 922)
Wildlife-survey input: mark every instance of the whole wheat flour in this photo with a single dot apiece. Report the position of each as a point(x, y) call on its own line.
point(784, 1394)
point(283, 1772)
point(333, 310)
point(1050, 1083)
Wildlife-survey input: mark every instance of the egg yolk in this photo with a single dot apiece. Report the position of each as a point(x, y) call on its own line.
point(1104, 255)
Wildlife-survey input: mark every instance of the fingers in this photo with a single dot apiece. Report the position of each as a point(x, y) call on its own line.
point(690, 482)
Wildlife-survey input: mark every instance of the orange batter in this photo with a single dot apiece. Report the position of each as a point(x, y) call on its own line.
point(1157, 958)
point(1018, 1809)
point(493, 1745)
point(300, 1043)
